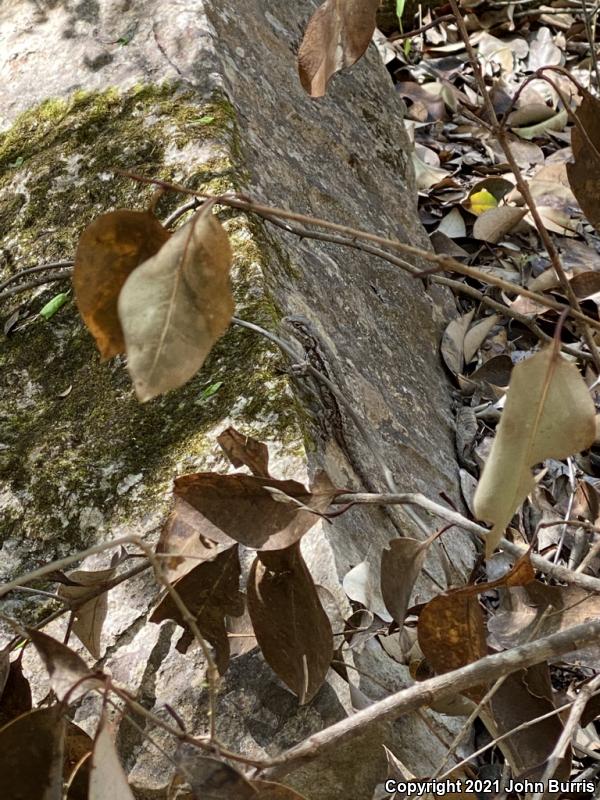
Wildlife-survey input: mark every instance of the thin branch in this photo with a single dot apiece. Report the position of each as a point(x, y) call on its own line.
point(23, 287)
point(568, 732)
point(444, 263)
point(441, 687)
point(522, 184)
point(556, 571)
point(40, 268)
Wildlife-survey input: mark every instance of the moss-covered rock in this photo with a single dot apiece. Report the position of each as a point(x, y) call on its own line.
point(77, 447)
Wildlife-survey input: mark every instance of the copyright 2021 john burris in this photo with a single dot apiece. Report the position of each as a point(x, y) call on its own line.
point(441, 788)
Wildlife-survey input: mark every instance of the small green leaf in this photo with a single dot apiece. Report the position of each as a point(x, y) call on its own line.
point(400, 9)
point(54, 305)
point(207, 119)
point(205, 394)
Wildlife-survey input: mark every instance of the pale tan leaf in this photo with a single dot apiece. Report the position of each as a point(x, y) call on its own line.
point(89, 618)
point(363, 585)
point(452, 346)
point(336, 36)
point(175, 306)
point(70, 677)
point(548, 414)
point(492, 225)
point(476, 335)
point(107, 777)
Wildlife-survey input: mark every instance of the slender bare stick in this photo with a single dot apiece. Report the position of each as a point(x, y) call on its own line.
point(557, 571)
point(444, 263)
point(522, 184)
point(568, 732)
point(441, 687)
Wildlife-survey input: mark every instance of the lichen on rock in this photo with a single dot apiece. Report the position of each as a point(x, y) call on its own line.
point(79, 455)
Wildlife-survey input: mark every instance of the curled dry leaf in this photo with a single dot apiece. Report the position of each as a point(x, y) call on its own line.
point(451, 628)
point(244, 508)
point(495, 223)
point(292, 629)
point(453, 342)
point(548, 414)
point(16, 697)
point(31, 756)
point(244, 451)
point(109, 249)
point(523, 697)
point(337, 35)
point(88, 618)
point(401, 564)
point(210, 592)
point(476, 336)
point(70, 677)
point(175, 306)
point(212, 779)
point(107, 777)
point(584, 174)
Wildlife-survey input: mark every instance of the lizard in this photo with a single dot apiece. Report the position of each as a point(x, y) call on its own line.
point(334, 405)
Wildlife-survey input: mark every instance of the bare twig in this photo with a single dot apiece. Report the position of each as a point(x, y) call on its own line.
point(556, 571)
point(522, 184)
point(568, 731)
point(439, 688)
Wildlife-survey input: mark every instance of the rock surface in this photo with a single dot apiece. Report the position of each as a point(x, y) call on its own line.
point(207, 94)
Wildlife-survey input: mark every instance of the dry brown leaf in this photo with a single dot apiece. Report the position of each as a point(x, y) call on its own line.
point(245, 508)
point(79, 781)
point(182, 538)
point(275, 791)
point(523, 697)
point(109, 249)
point(244, 451)
point(70, 677)
point(31, 756)
point(175, 306)
point(492, 225)
point(78, 745)
point(451, 628)
point(584, 174)
point(89, 618)
point(212, 779)
point(107, 777)
point(453, 342)
point(16, 698)
point(476, 336)
point(401, 564)
point(548, 414)
point(210, 592)
point(336, 36)
point(452, 633)
point(538, 610)
point(291, 627)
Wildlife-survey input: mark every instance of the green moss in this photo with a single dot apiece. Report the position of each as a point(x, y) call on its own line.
point(69, 461)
